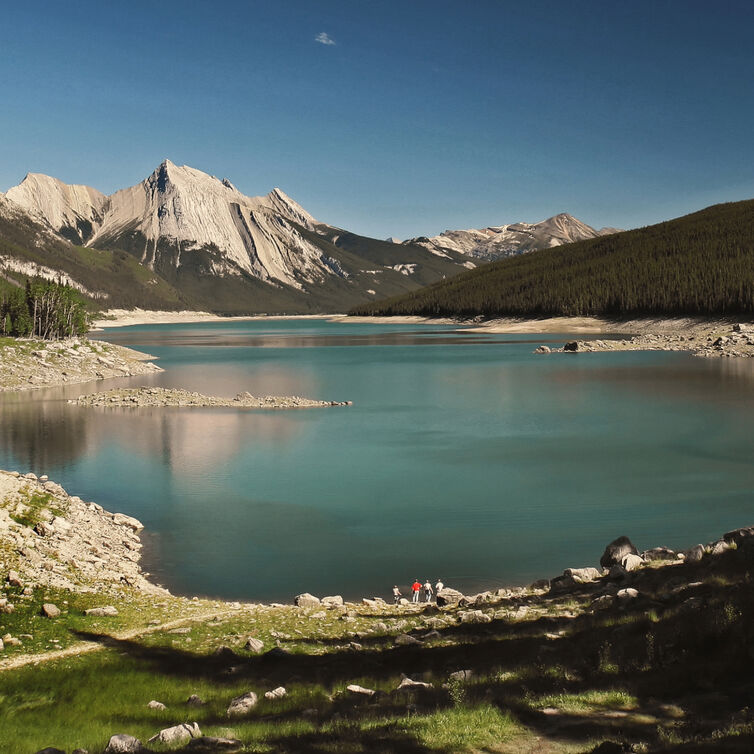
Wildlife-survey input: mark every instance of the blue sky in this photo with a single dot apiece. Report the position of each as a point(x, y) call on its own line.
point(411, 117)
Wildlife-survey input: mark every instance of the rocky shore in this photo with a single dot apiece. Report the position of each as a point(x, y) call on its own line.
point(53, 539)
point(157, 396)
point(708, 340)
point(34, 363)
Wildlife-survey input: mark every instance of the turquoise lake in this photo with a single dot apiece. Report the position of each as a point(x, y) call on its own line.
point(463, 457)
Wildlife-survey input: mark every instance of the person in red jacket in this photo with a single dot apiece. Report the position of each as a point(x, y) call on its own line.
point(415, 589)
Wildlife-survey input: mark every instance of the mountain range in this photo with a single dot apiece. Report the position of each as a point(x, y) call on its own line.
point(183, 238)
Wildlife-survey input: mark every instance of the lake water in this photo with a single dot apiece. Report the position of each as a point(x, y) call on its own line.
point(464, 456)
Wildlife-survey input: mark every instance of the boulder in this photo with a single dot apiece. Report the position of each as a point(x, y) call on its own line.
point(542, 349)
point(195, 701)
point(627, 594)
point(333, 601)
point(277, 693)
point(102, 612)
point(582, 575)
point(14, 579)
point(156, 705)
point(407, 683)
point(540, 585)
point(306, 600)
point(659, 553)
point(254, 645)
point(632, 562)
point(122, 743)
point(616, 551)
point(50, 611)
point(694, 554)
point(178, 734)
point(572, 345)
point(2, 645)
point(474, 616)
point(738, 535)
point(721, 546)
point(123, 520)
point(405, 640)
point(242, 705)
point(448, 596)
point(360, 690)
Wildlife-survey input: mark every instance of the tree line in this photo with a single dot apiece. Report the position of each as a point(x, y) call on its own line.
point(44, 309)
point(700, 264)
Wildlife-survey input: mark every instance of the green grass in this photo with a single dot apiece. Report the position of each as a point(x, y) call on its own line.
point(34, 505)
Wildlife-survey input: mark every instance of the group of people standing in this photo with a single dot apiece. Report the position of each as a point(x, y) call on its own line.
point(419, 592)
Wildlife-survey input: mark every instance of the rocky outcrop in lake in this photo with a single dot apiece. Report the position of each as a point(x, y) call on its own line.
point(157, 396)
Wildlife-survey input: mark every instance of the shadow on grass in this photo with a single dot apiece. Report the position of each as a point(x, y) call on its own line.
point(679, 655)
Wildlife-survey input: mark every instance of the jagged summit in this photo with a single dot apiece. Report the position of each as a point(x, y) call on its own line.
point(495, 242)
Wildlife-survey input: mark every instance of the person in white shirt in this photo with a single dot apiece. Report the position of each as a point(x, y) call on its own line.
point(427, 591)
point(439, 586)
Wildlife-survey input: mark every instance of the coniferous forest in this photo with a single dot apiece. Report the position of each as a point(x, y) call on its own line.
point(44, 309)
point(699, 264)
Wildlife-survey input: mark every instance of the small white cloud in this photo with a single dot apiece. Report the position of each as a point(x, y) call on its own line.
point(324, 38)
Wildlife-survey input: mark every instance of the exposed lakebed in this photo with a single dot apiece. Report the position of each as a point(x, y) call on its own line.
point(464, 455)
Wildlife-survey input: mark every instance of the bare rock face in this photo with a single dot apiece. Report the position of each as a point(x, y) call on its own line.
point(616, 551)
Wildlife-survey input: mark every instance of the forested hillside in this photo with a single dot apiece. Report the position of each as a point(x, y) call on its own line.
point(698, 264)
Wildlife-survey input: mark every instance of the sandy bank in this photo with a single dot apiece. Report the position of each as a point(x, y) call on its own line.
point(129, 317)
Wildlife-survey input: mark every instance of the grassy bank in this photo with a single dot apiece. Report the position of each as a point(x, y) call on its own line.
point(668, 670)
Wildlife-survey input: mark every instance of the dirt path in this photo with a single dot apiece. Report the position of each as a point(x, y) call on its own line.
point(84, 647)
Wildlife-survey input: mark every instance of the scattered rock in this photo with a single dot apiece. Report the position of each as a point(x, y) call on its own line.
point(659, 553)
point(407, 683)
point(616, 551)
point(333, 601)
point(195, 701)
point(156, 705)
point(50, 611)
point(448, 596)
point(582, 575)
point(540, 584)
point(572, 345)
point(102, 612)
point(694, 554)
point(474, 616)
point(542, 349)
point(14, 579)
point(306, 600)
point(405, 640)
point(360, 690)
point(122, 743)
point(132, 523)
point(178, 734)
point(632, 562)
point(627, 594)
point(719, 547)
point(242, 705)
point(254, 645)
point(277, 693)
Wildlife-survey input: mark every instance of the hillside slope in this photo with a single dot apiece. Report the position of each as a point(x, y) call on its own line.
point(699, 264)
